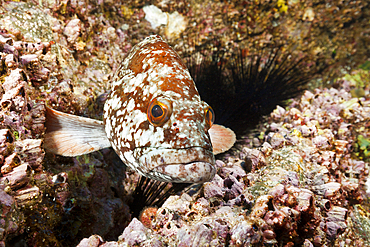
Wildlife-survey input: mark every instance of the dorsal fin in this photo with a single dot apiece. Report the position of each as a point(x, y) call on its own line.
point(70, 135)
point(222, 138)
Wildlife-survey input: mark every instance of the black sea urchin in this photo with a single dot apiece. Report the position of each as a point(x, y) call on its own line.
point(242, 88)
point(149, 192)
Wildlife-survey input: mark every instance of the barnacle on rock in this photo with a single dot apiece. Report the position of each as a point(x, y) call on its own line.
point(307, 179)
point(303, 185)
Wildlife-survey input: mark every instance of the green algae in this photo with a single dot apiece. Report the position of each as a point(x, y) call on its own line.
point(29, 20)
point(280, 163)
point(361, 222)
point(362, 148)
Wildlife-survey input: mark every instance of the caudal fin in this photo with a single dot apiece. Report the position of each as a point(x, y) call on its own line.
point(222, 138)
point(70, 135)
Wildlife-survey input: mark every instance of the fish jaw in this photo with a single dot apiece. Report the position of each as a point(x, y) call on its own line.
point(194, 172)
point(188, 165)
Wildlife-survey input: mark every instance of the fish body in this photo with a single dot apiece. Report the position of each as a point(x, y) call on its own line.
point(153, 118)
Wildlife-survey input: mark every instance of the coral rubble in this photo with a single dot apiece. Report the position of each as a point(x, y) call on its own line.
point(301, 181)
point(302, 186)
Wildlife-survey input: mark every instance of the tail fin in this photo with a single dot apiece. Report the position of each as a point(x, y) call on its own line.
point(70, 135)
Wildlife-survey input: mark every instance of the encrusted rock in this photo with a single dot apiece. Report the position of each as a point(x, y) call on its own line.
point(27, 196)
point(32, 152)
point(72, 30)
point(9, 163)
point(6, 202)
point(18, 177)
point(92, 241)
point(137, 234)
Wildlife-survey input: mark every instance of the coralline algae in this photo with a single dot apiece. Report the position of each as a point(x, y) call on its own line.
point(298, 187)
point(303, 185)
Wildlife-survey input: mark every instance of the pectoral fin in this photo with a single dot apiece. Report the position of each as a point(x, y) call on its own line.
point(70, 135)
point(222, 138)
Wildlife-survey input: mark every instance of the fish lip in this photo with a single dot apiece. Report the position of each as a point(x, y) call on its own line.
point(193, 172)
point(184, 165)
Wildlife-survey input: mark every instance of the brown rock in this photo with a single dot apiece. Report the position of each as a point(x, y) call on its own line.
point(13, 79)
point(9, 163)
point(32, 152)
point(18, 177)
point(27, 195)
point(6, 202)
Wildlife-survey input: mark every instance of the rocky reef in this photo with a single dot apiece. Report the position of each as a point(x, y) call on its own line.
point(299, 179)
point(48, 200)
point(303, 185)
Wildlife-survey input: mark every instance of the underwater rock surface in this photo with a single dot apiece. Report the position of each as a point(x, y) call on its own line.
point(302, 180)
point(303, 185)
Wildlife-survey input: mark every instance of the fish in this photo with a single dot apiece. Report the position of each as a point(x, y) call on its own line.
point(153, 118)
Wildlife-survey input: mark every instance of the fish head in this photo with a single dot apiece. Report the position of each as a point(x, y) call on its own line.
point(155, 119)
point(176, 146)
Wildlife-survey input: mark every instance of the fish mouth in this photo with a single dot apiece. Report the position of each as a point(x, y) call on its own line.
point(188, 165)
point(194, 172)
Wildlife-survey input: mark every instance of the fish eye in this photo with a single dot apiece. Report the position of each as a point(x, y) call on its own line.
point(210, 116)
point(159, 111)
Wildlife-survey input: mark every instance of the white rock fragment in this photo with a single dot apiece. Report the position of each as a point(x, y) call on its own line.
point(155, 16)
point(309, 15)
point(72, 30)
point(176, 25)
